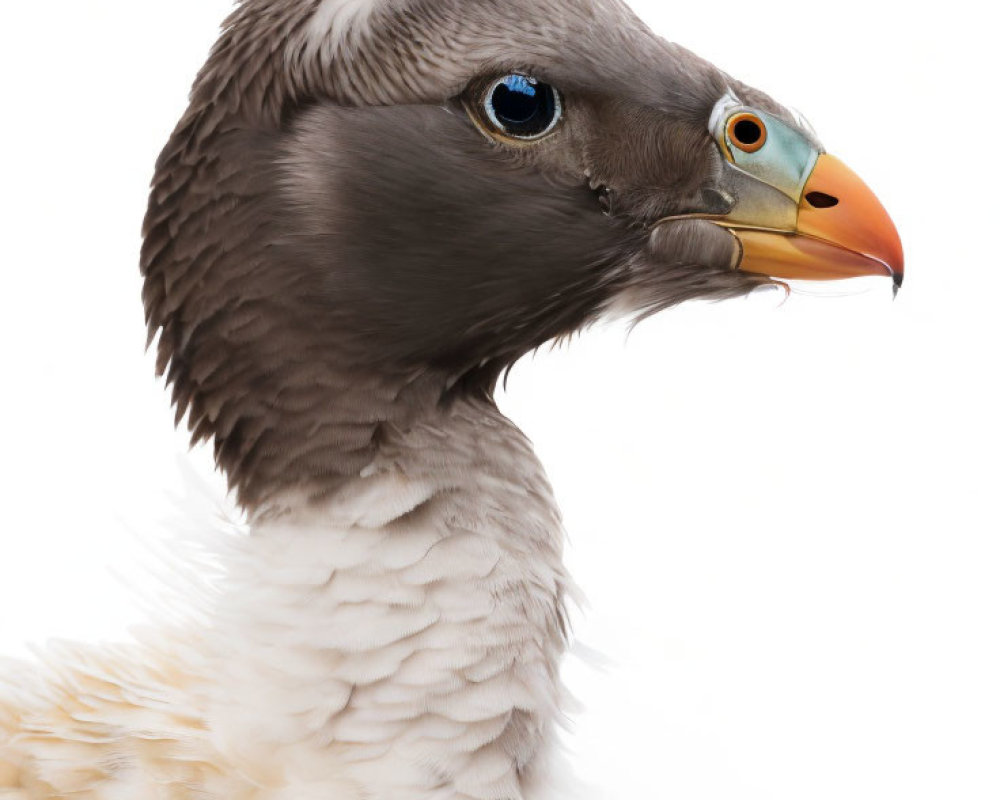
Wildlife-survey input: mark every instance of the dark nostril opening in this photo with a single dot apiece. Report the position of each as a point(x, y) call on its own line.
point(821, 200)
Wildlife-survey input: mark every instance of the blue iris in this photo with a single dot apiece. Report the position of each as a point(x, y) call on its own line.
point(520, 84)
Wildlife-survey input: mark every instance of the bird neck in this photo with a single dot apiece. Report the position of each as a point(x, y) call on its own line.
point(406, 631)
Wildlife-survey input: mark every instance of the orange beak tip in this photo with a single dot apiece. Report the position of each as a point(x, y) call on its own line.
point(856, 221)
point(842, 231)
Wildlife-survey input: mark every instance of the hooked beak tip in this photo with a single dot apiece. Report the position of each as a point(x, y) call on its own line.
point(842, 231)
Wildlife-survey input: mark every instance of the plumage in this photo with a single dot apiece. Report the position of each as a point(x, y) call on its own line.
point(339, 266)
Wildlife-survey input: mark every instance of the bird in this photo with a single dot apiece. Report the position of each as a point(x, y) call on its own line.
point(368, 213)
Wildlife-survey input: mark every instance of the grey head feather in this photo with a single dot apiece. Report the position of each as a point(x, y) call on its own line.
point(333, 246)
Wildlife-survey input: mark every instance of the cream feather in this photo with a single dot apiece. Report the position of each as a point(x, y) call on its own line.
point(410, 654)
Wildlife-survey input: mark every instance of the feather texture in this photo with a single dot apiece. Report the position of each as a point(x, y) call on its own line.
point(401, 641)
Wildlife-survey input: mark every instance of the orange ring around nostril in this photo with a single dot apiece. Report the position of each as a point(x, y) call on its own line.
point(747, 132)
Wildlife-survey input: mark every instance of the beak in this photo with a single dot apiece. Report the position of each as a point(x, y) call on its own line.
point(841, 231)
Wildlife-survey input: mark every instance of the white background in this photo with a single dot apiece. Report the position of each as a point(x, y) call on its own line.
point(784, 515)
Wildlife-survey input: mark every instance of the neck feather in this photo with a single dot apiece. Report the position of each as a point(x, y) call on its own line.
point(406, 631)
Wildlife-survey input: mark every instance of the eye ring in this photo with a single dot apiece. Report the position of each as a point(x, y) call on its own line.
point(521, 108)
point(746, 132)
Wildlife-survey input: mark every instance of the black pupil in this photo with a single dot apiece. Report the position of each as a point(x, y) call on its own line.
point(747, 131)
point(524, 107)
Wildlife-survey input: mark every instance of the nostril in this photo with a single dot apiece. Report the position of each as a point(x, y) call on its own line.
point(821, 200)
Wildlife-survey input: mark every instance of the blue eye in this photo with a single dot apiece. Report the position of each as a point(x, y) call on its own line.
point(522, 107)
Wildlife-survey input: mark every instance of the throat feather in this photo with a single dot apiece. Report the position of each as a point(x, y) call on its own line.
point(415, 618)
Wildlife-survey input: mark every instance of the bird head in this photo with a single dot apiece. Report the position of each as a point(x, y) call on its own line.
point(376, 199)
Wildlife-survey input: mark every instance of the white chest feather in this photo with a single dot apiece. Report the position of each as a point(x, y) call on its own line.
point(400, 641)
